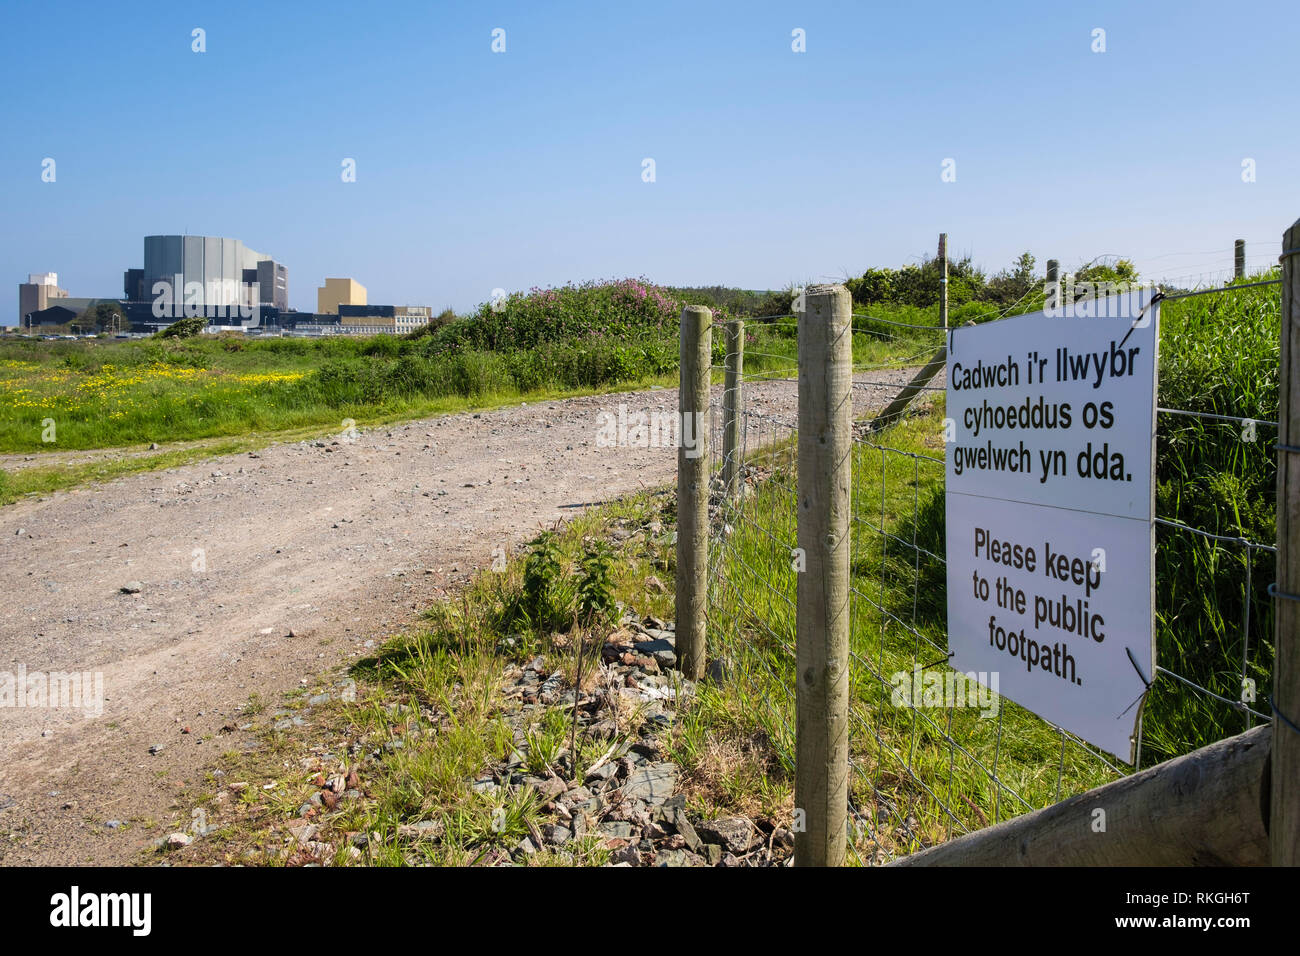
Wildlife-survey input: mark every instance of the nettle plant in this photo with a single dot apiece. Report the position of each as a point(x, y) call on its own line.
point(596, 586)
point(545, 601)
point(550, 598)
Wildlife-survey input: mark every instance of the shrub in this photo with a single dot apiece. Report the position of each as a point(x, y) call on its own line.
point(183, 329)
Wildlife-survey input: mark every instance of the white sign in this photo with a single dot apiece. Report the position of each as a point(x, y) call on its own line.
point(1050, 539)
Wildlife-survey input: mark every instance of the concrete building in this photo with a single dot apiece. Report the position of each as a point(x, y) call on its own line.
point(274, 276)
point(38, 293)
point(213, 272)
point(374, 319)
point(337, 292)
point(133, 285)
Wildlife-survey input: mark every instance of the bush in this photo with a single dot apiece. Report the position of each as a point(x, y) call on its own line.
point(627, 308)
point(183, 329)
point(475, 374)
point(381, 344)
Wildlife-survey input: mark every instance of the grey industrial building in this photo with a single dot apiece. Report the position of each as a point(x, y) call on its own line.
point(224, 269)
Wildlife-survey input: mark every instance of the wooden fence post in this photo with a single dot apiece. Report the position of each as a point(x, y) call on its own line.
point(696, 358)
point(1239, 259)
point(1053, 284)
point(1284, 829)
point(895, 409)
point(943, 279)
point(822, 600)
point(732, 403)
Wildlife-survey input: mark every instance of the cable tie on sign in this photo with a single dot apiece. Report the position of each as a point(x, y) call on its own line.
point(948, 657)
point(1281, 716)
point(1131, 706)
point(952, 334)
point(1133, 661)
point(1154, 299)
point(1274, 592)
point(1291, 448)
point(1287, 253)
point(1145, 690)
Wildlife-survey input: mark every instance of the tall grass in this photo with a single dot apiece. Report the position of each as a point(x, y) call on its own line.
point(1219, 354)
point(909, 787)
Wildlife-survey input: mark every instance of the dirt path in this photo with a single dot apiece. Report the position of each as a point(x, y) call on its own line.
point(17, 461)
point(257, 571)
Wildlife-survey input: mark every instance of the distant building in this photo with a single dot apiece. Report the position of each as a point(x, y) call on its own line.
point(69, 310)
point(393, 319)
point(209, 272)
point(54, 315)
point(133, 285)
point(318, 325)
point(37, 293)
point(183, 276)
point(274, 276)
point(337, 292)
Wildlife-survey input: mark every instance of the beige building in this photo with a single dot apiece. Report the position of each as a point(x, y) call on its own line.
point(336, 292)
point(39, 292)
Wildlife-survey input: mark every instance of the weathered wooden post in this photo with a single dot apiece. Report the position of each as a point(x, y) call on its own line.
point(696, 356)
point(1239, 259)
point(1053, 284)
point(1284, 829)
point(822, 599)
point(732, 403)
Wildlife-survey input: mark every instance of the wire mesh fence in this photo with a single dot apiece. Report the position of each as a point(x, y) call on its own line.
point(935, 753)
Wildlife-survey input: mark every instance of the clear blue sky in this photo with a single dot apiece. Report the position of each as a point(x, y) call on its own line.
point(478, 170)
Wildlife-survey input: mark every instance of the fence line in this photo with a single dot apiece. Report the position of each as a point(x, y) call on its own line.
point(919, 773)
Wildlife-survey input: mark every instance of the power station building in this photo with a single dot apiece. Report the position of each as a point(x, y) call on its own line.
point(337, 292)
point(40, 292)
point(208, 271)
point(223, 280)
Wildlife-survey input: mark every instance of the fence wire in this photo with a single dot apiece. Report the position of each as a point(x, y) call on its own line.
point(932, 754)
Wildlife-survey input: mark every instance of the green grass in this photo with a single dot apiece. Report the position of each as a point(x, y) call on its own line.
point(43, 480)
point(105, 393)
point(39, 479)
point(1219, 354)
point(98, 394)
point(909, 787)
